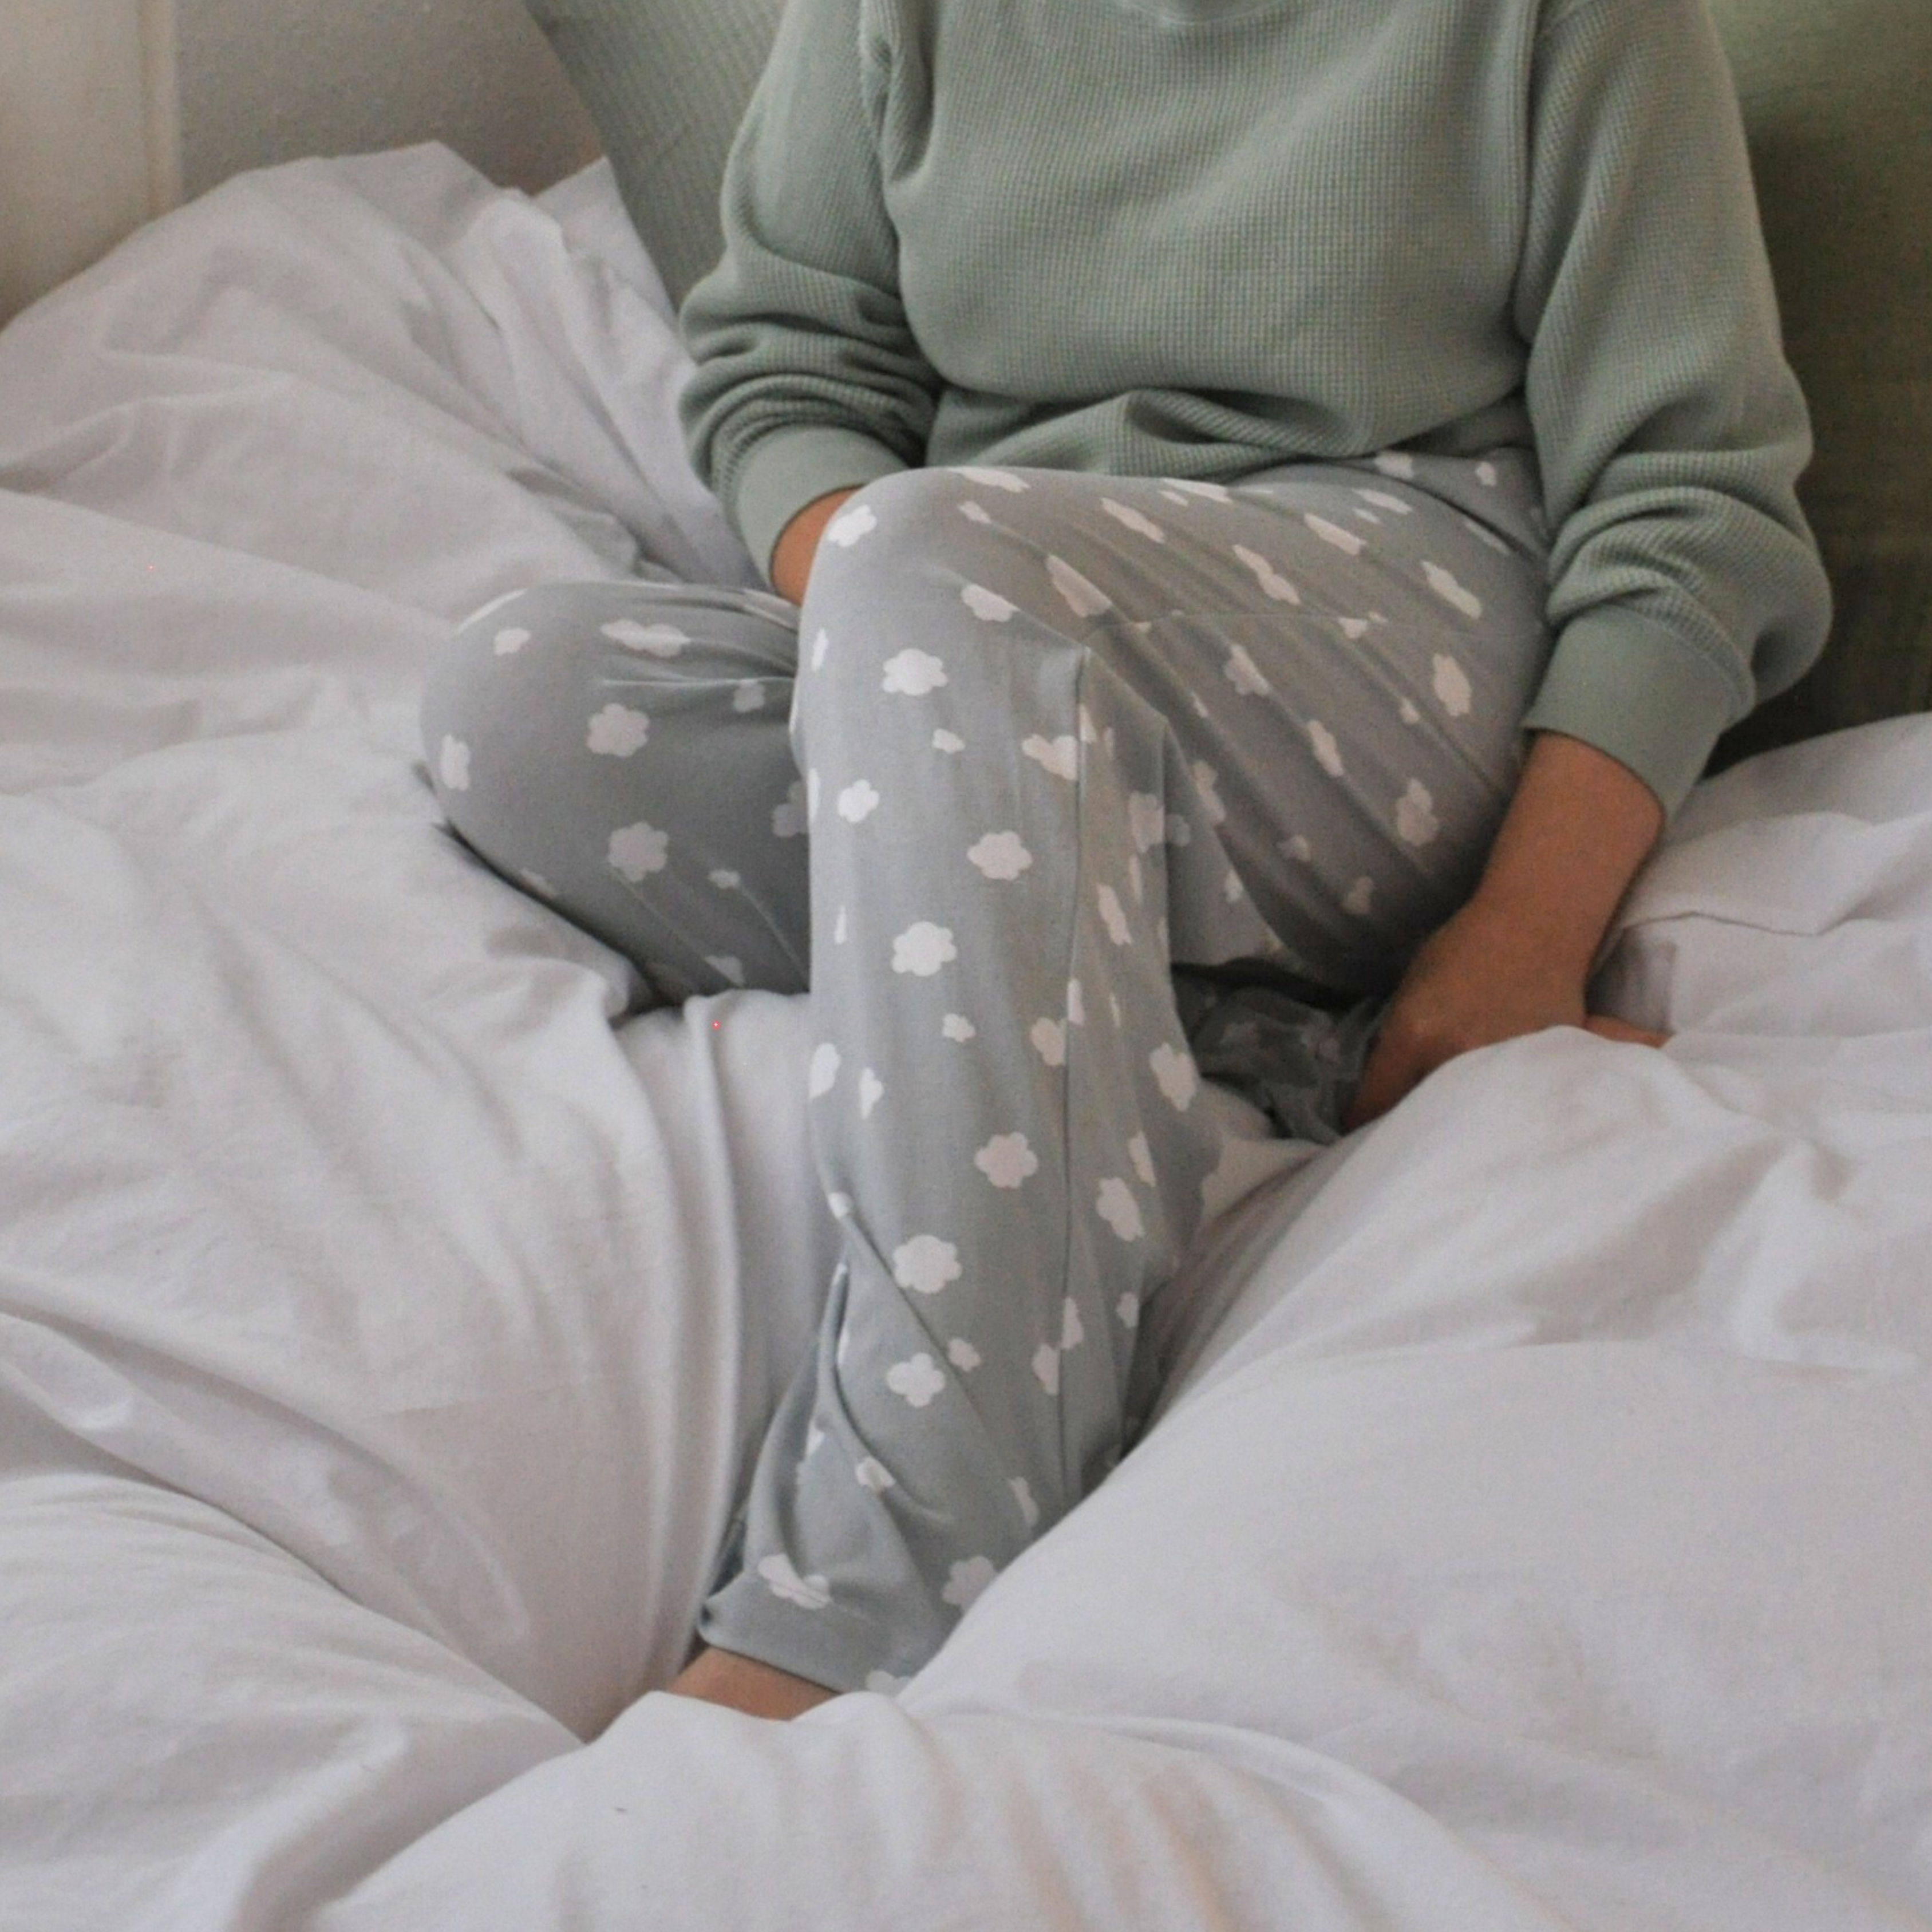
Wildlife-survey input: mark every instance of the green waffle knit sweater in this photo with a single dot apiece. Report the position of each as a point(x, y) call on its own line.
point(1197, 238)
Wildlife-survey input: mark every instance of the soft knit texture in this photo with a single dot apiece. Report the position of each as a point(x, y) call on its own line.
point(1197, 238)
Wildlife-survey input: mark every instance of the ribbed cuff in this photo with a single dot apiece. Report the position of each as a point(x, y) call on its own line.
point(1632, 688)
point(791, 468)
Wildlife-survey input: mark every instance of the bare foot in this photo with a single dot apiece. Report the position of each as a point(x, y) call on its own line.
point(743, 1684)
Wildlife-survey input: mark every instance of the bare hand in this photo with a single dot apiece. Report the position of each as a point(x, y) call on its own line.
point(1475, 982)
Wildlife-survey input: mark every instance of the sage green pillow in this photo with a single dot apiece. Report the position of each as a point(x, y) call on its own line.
point(1839, 108)
point(1837, 97)
point(667, 82)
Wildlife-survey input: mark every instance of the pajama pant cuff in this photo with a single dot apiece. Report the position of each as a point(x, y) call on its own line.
point(826, 1645)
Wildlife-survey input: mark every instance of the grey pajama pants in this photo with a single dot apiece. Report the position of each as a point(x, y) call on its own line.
point(1045, 764)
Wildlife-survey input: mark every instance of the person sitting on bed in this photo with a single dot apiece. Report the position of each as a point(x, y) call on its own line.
point(1258, 495)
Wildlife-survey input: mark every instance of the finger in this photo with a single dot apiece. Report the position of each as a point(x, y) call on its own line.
point(1605, 1028)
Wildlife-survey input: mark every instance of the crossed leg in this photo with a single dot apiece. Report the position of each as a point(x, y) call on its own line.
point(1058, 734)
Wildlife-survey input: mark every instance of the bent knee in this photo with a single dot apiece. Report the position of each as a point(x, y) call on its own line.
point(561, 670)
point(889, 519)
point(939, 508)
point(992, 525)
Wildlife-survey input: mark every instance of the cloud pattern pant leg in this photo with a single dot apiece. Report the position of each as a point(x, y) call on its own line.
point(620, 750)
point(1064, 740)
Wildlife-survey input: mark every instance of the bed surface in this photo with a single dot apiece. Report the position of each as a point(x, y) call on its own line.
point(1537, 1533)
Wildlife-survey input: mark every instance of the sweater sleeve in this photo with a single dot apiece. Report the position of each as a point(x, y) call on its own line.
point(808, 379)
point(1685, 585)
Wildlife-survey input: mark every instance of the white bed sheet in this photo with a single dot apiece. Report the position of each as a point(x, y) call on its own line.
point(1538, 1532)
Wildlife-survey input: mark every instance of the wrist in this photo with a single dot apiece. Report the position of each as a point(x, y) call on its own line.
point(1576, 832)
point(1529, 937)
point(1524, 941)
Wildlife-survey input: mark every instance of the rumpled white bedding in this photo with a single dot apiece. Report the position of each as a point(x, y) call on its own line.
point(1537, 1534)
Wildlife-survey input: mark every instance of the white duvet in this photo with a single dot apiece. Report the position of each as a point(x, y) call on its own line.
point(1536, 1536)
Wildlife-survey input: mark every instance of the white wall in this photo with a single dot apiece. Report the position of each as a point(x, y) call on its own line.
point(270, 80)
point(110, 109)
point(87, 135)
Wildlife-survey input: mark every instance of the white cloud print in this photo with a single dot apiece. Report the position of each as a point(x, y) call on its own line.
point(1206, 779)
point(1270, 580)
point(926, 1264)
point(967, 1582)
point(991, 479)
point(1120, 1211)
point(1244, 674)
point(1345, 540)
point(1007, 1160)
point(858, 801)
point(1049, 1041)
point(1060, 756)
point(1454, 691)
point(1446, 587)
point(988, 605)
point(1176, 1072)
point(657, 641)
point(638, 850)
point(913, 674)
point(809, 1593)
point(849, 526)
point(1000, 855)
point(919, 1380)
point(617, 731)
point(1416, 822)
point(1125, 513)
point(788, 819)
point(1082, 596)
point(923, 949)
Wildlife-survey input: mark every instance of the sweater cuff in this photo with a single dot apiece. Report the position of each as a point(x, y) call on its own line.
point(793, 467)
point(1634, 689)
